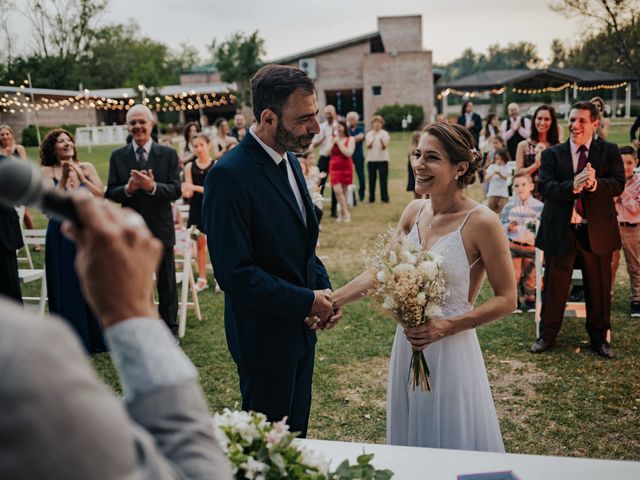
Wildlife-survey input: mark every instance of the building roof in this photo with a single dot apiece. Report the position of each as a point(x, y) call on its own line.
point(207, 68)
point(498, 78)
point(327, 48)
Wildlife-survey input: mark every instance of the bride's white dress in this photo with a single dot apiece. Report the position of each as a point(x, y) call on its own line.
point(459, 413)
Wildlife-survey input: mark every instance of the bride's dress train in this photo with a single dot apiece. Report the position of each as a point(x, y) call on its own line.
point(459, 413)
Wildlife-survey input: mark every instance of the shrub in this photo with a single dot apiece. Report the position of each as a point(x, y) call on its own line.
point(393, 115)
point(30, 136)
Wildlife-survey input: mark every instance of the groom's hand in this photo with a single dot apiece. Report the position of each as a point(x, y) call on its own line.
point(322, 306)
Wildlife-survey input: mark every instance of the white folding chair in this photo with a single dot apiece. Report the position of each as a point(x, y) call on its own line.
point(27, 258)
point(34, 237)
point(183, 252)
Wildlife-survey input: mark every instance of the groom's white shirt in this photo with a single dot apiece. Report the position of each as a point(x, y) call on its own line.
point(277, 158)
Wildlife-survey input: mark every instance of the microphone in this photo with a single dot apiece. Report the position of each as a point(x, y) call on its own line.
point(21, 183)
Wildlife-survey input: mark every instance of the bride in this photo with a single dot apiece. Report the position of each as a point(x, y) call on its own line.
point(459, 413)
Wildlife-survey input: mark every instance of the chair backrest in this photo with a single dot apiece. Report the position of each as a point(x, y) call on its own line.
point(183, 246)
point(34, 236)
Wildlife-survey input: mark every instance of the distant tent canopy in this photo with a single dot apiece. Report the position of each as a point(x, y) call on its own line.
point(531, 82)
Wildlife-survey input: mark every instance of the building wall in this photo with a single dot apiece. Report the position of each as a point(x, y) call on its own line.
point(199, 78)
point(404, 78)
point(49, 118)
point(401, 34)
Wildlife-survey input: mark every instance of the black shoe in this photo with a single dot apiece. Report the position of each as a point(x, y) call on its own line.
point(635, 309)
point(576, 294)
point(541, 345)
point(603, 349)
point(529, 306)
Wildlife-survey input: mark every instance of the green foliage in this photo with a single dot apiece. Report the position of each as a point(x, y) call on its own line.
point(393, 115)
point(238, 59)
point(30, 135)
point(513, 56)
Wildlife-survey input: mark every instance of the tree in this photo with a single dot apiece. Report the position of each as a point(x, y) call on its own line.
point(618, 19)
point(558, 54)
point(63, 28)
point(238, 59)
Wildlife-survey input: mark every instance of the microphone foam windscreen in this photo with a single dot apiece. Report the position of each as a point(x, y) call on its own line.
point(20, 182)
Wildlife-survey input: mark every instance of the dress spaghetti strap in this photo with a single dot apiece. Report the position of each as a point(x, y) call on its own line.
point(462, 225)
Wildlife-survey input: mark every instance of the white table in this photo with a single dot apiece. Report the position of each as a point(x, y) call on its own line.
point(412, 463)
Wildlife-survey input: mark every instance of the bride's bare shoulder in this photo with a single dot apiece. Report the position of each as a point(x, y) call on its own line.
point(485, 223)
point(408, 217)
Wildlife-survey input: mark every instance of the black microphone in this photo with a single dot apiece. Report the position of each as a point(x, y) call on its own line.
point(21, 183)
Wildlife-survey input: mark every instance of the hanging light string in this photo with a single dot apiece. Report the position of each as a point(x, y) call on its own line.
point(530, 91)
point(20, 101)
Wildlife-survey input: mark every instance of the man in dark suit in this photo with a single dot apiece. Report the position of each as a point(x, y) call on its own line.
point(10, 241)
point(470, 120)
point(262, 232)
point(144, 176)
point(578, 180)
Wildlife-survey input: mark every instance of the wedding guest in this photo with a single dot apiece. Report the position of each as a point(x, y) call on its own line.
point(515, 129)
point(578, 181)
point(497, 177)
point(312, 177)
point(492, 126)
point(193, 188)
point(60, 165)
point(13, 149)
point(190, 130)
point(149, 188)
point(543, 134)
point(459, 413)
point(341, 169)
point(239, 129)
point(67, 424)
point(605, 123)
point(635, 141)
point(493, 144)
point(411, 179)
point(628, 209)
point(357, 132)
point(471, 120)
point(323, 141)
point(519, 217)
point(377, 143)
point(223, 142)
point(10, 242)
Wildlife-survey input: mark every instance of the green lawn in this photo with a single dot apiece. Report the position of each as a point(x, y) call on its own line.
point(565, 402)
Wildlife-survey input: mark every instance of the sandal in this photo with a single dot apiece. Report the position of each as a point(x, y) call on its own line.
point(201, 285)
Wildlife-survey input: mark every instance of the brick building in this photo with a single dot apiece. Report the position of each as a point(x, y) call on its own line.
point(369, 71)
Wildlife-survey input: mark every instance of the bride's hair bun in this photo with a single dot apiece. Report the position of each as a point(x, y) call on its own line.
point(460, 145)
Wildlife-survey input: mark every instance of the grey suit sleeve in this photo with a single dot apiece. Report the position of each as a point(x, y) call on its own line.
point(115, 184)
point(65, 423)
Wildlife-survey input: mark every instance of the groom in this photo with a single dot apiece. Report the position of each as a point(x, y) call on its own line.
point(262, 231)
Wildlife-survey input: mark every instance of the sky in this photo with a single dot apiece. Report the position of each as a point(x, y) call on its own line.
point(291, 26)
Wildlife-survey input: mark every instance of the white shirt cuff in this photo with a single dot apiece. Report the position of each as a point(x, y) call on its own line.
point(146, 357)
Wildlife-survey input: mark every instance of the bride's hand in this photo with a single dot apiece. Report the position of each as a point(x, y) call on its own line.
point(422, 336)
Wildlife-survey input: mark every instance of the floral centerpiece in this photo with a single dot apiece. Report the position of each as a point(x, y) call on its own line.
point(410, 282)
point(261, 450)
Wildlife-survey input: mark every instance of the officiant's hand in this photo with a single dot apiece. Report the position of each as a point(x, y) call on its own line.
point(423, 335)
point(116, 258)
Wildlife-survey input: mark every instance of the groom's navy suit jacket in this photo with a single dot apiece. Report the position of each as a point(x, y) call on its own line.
point(263, 256)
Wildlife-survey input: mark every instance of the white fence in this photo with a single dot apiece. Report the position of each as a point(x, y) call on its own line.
point(102, 135)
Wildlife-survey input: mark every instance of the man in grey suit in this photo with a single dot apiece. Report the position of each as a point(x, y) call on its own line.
point(58, 420)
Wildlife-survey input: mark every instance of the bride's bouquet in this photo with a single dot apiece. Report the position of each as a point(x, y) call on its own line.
point(410, 282)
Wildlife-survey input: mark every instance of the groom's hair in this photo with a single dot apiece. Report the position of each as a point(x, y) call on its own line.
point(272, 86)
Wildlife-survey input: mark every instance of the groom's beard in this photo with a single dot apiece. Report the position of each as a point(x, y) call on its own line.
point(290, 142)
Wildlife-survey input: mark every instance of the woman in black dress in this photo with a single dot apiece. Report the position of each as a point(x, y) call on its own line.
point(193, 188)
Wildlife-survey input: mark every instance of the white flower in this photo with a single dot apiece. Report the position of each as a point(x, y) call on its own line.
point(389, 303)
point(313, 459)
point(254, 468)
point(428, 269)
point(436, 257)
point(381, 276)
point(433, 310)
point(409, 257)
point(403, 268)
point(421, 298)
point(393, 259)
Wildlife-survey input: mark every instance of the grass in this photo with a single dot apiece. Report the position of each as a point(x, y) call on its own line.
point(566, 402)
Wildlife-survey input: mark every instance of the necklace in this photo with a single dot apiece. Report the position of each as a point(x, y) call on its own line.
point(435, 220)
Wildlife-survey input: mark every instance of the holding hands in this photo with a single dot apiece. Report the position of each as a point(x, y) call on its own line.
point(324, 312)
point(140, 179)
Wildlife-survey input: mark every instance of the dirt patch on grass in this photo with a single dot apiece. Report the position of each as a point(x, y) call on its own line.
point(364, 384)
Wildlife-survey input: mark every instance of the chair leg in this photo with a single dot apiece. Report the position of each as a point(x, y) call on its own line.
point(194, 295)
point(43, 296)
point(182, 325)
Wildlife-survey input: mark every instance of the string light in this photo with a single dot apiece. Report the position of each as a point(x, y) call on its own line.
point(530, 91)
point(180, 101)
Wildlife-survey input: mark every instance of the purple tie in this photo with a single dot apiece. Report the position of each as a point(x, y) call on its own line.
point(582, 162)
point(142, 157)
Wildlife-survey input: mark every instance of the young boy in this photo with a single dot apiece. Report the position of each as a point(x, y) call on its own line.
point(519, 218)
point(628, 208)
